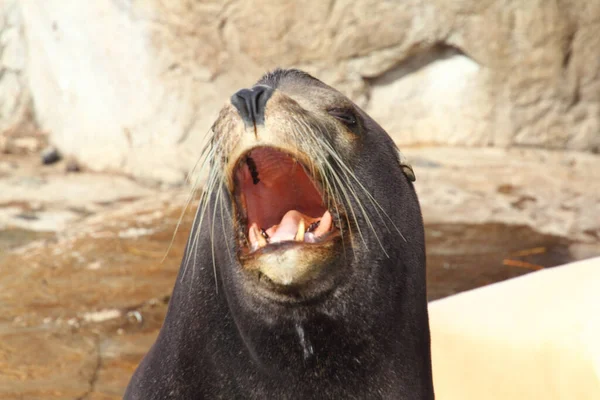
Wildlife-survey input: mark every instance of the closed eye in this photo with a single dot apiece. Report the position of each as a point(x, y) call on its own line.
point(345, 116)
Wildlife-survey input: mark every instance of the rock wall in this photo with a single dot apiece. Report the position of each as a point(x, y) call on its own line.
point(134, 85)
point(15, 97)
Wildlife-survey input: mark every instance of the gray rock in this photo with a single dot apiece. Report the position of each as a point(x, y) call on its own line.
point(50, 155)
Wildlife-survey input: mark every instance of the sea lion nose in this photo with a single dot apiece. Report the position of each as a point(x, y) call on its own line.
point(251, 103)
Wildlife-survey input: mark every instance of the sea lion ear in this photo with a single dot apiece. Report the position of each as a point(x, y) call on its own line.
point(406, 167)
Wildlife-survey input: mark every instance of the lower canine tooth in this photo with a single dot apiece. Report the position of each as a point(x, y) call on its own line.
point(300, 234)
point(262, 242)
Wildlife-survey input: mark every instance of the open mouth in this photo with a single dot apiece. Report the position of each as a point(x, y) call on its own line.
point(279, 201)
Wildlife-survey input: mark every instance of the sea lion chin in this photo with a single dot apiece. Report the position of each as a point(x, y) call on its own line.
point(304, 272)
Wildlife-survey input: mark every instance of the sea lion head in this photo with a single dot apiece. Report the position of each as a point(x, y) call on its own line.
point(304, 273)
point(306, 192)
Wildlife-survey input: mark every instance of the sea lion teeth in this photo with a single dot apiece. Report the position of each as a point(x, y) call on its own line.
point(256, 238)
point(313, 226)
point(324, 224)
point(287, 229)
point(262, 242)
point(300, 234)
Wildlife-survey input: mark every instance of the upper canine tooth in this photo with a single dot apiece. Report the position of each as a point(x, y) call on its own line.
point(300, 234)
point(324, 224)
point(257, 240)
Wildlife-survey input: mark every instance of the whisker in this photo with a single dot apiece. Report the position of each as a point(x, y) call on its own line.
point(214, 177)
point(223, 226)
point(205, 156)
point(346, 172)
point(212, 240)
point(321, 157)
point(369, 196)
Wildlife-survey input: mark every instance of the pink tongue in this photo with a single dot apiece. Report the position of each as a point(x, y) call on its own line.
point(287, 228)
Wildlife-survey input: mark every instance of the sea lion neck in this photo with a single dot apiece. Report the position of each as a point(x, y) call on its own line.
point(299, 352)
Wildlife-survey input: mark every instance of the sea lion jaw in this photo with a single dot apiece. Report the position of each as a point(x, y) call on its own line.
point(288, 234)
point(290, 268)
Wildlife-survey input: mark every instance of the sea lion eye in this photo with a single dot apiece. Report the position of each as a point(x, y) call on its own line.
point(345, 116)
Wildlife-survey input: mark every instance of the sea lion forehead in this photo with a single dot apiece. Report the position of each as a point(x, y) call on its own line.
point(280, 78)
point(307, 90)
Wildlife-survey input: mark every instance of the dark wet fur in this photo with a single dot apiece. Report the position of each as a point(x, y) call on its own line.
point(369, 342)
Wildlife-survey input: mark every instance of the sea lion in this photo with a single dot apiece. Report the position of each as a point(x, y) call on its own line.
point(304, 274)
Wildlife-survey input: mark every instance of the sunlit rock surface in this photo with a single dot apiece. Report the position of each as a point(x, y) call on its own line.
point(134, 86)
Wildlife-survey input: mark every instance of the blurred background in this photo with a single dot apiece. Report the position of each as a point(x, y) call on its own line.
point(104, 106)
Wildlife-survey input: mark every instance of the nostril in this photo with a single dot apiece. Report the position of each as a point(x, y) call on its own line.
point(240, 101)
point(251, 103)
point(255, 100)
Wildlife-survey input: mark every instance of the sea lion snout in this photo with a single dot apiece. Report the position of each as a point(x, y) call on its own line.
point(251, 104)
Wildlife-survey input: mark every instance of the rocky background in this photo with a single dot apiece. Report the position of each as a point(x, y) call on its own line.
point(104, 104)
point(133, 86)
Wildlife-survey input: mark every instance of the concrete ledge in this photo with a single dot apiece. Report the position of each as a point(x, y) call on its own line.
point(534, 337)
